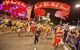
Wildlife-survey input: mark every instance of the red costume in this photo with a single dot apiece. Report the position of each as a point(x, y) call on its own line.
point(33, 28)
point(56, 40)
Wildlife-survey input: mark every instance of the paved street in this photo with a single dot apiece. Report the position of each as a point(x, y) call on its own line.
point(10, 41)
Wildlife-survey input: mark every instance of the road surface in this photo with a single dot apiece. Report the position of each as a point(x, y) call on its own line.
point(11, 41)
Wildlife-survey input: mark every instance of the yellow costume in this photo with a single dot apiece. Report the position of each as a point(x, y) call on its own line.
point(5, 21)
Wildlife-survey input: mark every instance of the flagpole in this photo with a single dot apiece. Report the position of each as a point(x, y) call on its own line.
point(61, 21)
point(78, 22)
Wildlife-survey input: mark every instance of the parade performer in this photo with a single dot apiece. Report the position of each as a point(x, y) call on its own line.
point(33, 28)
point(56, 37)
point(28, 29)
point(37, 35)
point(56, 40)
point(43, 31)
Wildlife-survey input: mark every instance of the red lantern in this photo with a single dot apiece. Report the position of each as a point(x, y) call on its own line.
point(39, 12)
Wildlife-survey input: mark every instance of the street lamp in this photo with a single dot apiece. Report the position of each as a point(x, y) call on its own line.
point(77, 6)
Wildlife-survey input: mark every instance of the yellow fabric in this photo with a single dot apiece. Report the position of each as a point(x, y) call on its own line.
point(28, 28)
point(29, 12)
point(38, 25)
point(21, 24)
point(17, 23)
point(5, 21)
point(58, 30)
point(1, 26)
point(13, 27)
point(14, 22)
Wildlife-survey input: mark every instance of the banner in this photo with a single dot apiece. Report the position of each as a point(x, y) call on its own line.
point(65, 8)
point(15, 2)
point(17, 8)
point(54, 5)
point(29, 9)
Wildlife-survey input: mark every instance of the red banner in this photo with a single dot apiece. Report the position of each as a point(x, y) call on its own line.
point(55, 5)
point(7, 2)
point(63, 9)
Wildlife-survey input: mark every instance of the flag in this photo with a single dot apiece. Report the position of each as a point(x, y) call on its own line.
point(29, 9)
point(61, 14)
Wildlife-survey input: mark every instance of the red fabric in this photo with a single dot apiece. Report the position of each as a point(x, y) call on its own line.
point(54, 5)
point(33, 29)
point(18, 10)
point(61, 14)
point(56, 40)
point(6, 7)
point(39, 12)
point(61, 33)
point(10, 0)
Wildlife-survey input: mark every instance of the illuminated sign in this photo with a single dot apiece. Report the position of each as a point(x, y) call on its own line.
point(14, 2)
point(17, 8)
point(55, 5)
point(63, 9)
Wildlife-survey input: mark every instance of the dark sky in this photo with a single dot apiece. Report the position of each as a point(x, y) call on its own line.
point(74, 14)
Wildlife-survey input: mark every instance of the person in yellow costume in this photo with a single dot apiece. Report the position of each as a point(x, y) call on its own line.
point(13, 22)
point(43, 31)
point(13, 27)
point(17, 23)
point(28, 29)
point(38, 25)
point(21, 24)
point(1, 26)
point(18, 28)
point(6, 20)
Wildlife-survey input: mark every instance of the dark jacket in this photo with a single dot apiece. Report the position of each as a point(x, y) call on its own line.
point(78, 40)
point(37, 33)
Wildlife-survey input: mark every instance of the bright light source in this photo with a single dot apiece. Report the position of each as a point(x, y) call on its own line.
point(77, 5)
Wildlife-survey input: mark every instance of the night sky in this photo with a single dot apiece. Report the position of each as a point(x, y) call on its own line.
point(74, 13)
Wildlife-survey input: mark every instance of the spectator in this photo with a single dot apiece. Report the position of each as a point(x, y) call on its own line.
point(78, 42)
point(65, 34)
point(72, 41)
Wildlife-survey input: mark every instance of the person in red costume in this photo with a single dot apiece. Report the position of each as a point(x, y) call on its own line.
point(56, 40)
